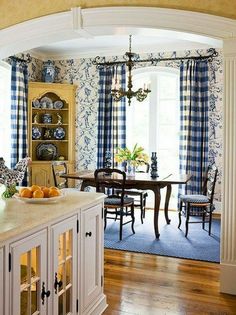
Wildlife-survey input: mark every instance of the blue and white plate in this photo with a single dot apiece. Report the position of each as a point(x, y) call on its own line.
point(46, 102)
point(36, 104)
point(59, 133)
point(46, 151)
point(58, 104)
point(36, 133)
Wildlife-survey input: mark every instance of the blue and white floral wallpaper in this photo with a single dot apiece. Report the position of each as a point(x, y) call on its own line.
point(84, 74)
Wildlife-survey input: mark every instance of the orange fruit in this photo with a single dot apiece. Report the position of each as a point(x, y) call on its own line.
point(45, 191)
point(54, 192)
point(35, 187)
point(26, 193)
point(21, 189)
point(38, 193)
point(54, 187)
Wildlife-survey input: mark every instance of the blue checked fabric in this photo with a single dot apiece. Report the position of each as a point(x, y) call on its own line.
point(111, 114)
point(19, 92)
point(193, 123)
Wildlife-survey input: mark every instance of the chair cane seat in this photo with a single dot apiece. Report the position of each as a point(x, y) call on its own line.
point(194, 198)
point(117, 201)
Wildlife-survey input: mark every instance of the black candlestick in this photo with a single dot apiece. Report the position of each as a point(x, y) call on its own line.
point(154, 173)
point(107, 161)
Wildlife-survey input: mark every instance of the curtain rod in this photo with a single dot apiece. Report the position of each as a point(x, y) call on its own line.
point(212, 54)
point(27, 59)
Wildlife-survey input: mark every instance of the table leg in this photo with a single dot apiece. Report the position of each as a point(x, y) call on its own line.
point(168, 193)
point(156, 209)
point(87, 183)
point(83, 185)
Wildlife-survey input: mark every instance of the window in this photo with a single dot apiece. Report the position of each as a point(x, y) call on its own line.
point(5, 110)
point(154, 123)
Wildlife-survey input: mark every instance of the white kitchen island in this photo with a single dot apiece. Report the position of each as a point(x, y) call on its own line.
point(51, 256)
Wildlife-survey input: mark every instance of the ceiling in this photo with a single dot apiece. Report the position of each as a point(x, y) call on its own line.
point(143, 41)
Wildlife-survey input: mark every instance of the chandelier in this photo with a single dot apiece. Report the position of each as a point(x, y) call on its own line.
point(118, 93)
point(130, 59)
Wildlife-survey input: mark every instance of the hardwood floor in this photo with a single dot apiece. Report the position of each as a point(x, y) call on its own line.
point(143, 284)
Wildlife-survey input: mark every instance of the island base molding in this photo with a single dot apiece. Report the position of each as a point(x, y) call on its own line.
point(99, 307)
point(227, 273)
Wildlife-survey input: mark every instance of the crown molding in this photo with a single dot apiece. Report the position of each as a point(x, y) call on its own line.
point(106, 52)
point(86, 23)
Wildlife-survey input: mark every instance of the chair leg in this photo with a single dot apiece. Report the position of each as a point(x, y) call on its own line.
point(105, 218)
point(121, 222)
point(133, 218)
point(144, 206)
point(203, 219)
point(141, 207)
point(210, 220)
point(180, 209)
point(187, 218)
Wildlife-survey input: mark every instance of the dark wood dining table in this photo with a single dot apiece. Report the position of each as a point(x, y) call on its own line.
point(140, 181)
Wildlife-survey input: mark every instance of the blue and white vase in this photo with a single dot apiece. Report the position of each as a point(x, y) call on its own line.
point(48, 71)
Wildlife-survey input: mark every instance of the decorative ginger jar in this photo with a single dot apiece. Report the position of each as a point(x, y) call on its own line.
point(46, 118)
point(48, 71)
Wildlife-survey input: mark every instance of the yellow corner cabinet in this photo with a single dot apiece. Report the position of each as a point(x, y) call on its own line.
point(51, 128)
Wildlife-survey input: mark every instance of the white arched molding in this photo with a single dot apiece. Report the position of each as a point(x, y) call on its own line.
point(114, 20)
point(108, 21)
point(228, 217)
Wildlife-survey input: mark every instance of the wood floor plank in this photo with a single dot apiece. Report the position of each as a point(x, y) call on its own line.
point(142, 284)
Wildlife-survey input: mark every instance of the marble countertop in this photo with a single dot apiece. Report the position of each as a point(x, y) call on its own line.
point(17, 217)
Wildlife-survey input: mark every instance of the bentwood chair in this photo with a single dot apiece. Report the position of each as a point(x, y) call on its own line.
point(59, 168)
point(116, 206)
point(200, 205)
point(140, 196)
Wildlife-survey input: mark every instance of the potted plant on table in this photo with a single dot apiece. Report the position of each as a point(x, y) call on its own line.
point(132, 158)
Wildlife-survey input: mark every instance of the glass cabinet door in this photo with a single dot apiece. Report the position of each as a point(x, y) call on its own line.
point(64, 236)
point(28, 279)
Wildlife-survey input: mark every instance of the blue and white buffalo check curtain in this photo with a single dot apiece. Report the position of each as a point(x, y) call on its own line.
point(19, 92)
point(111, 114)
point(193, 123)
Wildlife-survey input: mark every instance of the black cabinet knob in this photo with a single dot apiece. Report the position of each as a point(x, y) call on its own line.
point(88, 234)
point(57, 284)
point(44, 293)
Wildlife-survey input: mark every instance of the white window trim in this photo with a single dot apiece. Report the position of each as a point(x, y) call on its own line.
point(5, 65)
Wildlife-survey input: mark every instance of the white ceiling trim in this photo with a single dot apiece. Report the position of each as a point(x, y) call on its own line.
point(93, 22)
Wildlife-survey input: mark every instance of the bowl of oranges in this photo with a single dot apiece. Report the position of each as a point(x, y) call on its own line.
point(39, 194)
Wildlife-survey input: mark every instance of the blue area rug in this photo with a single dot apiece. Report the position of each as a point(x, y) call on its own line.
point(172, 242)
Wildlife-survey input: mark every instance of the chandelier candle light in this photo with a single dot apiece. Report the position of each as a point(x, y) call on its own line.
point(141, 93)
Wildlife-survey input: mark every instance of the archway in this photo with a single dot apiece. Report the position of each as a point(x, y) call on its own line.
point(92, 22)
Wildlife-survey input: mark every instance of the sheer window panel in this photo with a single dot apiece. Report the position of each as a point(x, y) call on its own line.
point(154, 123)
